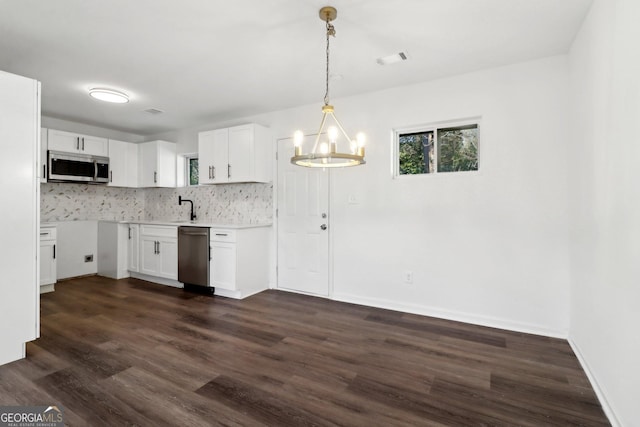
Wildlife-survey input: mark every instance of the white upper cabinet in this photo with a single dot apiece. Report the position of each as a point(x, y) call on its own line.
point(123, 164)
point(213, 156)
point(236, 154)
point(77, 143)
point(42, 171)
point(157, 164)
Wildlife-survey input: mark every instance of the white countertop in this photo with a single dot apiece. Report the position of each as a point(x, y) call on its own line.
point(195, 224)
point(176, 223)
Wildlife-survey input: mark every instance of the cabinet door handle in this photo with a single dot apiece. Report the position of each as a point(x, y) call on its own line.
point(110, 176)
point(54, 251)
point(82, 144)
point(210, 253)
point(158, 248)
point(228, 171)
point(155, 177)
point(44, 171)
point(129, 233)
point(221, 234)
point(213, 168)
point(77, 143)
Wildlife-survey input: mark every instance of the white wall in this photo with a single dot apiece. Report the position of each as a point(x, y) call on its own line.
point(605, 203)
point(75, 239)
point(488, 247)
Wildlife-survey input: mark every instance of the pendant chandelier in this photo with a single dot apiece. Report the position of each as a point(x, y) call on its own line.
point(325, 153)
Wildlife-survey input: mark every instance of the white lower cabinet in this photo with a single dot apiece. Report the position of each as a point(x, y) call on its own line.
point(223, 265)
point(159, 251)
point(48, 263)
point(239, 261)
point(134, 248)
point(239, 264)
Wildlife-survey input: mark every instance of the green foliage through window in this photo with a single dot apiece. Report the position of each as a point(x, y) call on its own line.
point(456, 149)
point(416, 153)
point(193, 171)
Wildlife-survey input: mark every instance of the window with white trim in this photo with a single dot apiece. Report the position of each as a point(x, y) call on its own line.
point(436, 149)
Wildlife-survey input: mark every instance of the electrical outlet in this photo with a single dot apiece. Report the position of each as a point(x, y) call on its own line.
point(408, 277)
point(88, 258)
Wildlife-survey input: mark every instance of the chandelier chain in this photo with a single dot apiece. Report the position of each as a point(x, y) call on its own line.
point(330, 32)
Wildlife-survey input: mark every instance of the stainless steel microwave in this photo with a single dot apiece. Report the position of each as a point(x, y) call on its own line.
point(75, 167)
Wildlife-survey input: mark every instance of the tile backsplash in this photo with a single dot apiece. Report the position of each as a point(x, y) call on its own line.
point(228, 204)
point(78, 202)
point(223, 204)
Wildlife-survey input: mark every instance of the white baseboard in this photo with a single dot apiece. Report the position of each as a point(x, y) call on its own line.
point(594, 384)
point(492, 322)
point(159, 280)
point(242, 294)
point(12, 351)
point(47, 288)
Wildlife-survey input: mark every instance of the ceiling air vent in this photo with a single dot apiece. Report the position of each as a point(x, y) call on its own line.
point(153, 111)
point(392, 59)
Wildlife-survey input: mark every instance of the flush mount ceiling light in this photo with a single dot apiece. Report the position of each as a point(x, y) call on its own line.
point(325, 154)
point(109, 95)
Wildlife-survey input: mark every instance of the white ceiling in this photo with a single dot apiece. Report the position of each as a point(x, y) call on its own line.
point(202, 61)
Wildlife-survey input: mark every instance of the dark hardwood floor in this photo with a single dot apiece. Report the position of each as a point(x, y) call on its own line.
point(130, 352)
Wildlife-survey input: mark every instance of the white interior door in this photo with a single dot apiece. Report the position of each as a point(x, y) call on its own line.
point(303, 209)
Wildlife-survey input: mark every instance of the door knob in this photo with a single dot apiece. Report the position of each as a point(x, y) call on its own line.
point(324, 215)
point(323, 227)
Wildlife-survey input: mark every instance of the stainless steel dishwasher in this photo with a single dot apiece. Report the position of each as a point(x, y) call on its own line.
point(193, 258)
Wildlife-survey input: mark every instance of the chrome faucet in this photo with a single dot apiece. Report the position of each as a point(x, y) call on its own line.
point(180, 200)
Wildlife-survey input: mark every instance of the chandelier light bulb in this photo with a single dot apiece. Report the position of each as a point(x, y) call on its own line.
point(333, 133)
point(354, 146)
point(362, 139)
point(298, 137)
point(324, 148)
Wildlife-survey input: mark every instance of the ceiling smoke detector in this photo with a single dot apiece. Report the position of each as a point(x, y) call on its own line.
point(392, 59)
